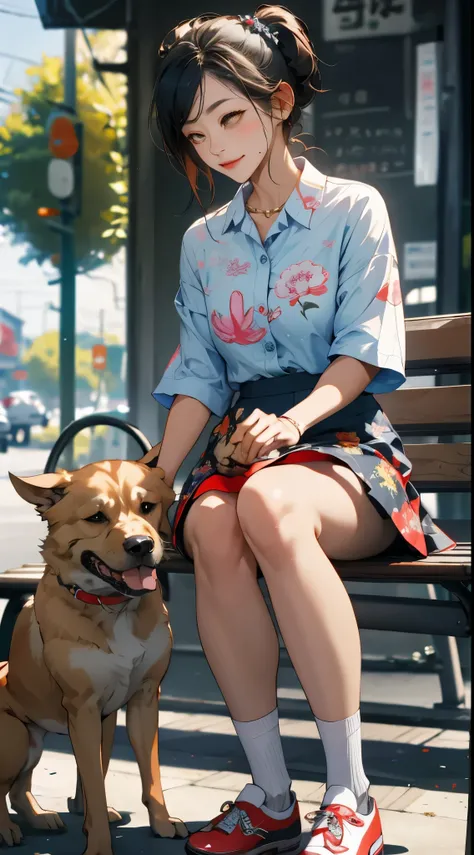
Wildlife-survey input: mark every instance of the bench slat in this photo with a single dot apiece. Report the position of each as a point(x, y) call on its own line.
point(440, 466)
point(447, 566)
point(438, 410)
point(440, 340)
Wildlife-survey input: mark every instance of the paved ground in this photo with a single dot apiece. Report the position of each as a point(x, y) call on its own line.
point(418, 773)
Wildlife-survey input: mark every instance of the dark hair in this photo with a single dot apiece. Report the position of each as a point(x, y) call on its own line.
point(230, 49)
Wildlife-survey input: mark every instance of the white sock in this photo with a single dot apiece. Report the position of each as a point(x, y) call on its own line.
point(342, 744)
point(261, 742)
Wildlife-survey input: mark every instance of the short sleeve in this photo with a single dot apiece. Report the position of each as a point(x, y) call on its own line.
point(369, 323)
point(196, 369)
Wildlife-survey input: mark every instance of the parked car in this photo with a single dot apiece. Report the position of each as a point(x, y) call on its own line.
point(24, 410)
point(5, 428)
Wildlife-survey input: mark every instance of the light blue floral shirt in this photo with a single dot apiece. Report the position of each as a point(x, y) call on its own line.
point(324, 283)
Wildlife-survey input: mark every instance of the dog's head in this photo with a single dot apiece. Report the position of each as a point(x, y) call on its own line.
point(104, 523)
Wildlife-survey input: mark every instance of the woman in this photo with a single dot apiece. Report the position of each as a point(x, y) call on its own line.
point(289, 295)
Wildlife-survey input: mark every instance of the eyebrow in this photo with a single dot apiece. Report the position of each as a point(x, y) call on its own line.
point(208, 110)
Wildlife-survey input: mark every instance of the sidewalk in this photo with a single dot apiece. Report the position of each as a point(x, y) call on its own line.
point(418, 774)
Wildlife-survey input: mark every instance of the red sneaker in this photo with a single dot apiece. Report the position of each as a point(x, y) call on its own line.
point(246, 827)
point(340, 829)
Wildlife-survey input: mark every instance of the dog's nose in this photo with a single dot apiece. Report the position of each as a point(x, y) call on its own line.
point(139, 545)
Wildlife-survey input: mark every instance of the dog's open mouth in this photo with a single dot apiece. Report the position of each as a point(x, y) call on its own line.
point(134, 581)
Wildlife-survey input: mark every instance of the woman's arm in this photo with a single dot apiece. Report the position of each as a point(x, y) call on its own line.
point(340, 384)
point(186, 420)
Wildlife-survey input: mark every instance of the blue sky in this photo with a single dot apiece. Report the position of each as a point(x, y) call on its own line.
point(24, 290)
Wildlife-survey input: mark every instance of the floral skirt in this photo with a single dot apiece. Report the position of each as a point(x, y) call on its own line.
point(360, 436)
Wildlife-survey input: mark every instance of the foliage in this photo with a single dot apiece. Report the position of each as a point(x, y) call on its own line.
point(24, 157)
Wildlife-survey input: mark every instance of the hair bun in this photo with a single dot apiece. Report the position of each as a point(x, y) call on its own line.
point(295, 45)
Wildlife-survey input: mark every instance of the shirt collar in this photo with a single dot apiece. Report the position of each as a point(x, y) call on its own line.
point(301, 204)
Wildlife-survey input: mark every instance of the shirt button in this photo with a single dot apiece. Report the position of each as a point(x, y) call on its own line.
point(263, 259)
point(269, 346)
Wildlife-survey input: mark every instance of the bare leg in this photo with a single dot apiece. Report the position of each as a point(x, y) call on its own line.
point(294, 518)
point(235, 627)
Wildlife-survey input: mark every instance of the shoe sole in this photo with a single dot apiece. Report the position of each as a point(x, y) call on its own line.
point(284, 846)
point(377, 847)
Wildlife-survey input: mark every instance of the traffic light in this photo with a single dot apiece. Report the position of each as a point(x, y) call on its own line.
point(63, 144)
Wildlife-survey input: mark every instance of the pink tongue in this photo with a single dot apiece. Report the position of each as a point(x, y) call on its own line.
point(140, 577)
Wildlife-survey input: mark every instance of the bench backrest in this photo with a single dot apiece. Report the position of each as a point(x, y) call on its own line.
point(439, 415)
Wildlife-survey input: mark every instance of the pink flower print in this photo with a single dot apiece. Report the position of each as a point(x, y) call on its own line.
point(234, 268)
point(328, 243)
point(310, 202)
point(273, 315)
point(200, 265)
point(390, 292)
point(207, 290)
point(201, 233)
point(302, 279)
point(238, 327)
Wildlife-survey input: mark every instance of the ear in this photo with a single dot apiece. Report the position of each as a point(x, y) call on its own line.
point(283, 100)
point(151, 457)
point(43, 491)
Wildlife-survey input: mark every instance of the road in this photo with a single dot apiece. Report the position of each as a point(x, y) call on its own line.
point(20, 529)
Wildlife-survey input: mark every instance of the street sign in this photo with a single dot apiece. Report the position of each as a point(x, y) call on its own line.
point(99, 357)
point(362, 19)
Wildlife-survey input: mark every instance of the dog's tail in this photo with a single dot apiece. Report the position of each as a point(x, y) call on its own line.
point(3, 673)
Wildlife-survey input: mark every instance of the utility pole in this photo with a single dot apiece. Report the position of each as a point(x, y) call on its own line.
point(67, 323)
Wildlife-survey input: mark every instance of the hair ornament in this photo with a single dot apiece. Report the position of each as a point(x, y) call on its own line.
point(255, 25)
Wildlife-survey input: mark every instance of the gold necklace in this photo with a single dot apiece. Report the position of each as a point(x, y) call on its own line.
point(267, 213)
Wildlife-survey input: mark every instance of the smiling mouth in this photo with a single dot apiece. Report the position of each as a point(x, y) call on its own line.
point(231, 163)
point(134, 582)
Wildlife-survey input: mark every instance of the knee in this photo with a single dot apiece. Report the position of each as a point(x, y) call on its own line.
point(214, 539)
point(270, 515)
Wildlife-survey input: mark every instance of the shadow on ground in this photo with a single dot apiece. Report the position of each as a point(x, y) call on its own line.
point(136, 839)
point(389, 763)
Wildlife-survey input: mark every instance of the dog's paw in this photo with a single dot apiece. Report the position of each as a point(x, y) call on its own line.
point(168, 827)
point(114, 815)
point(10, 833)
point(46, 820)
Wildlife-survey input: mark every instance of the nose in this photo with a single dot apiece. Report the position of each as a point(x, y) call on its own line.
point(216, 148)
point(139, 545)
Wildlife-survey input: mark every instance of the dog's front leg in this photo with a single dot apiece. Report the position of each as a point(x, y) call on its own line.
point(142, 729)
point(85, 730)
point(76, 804)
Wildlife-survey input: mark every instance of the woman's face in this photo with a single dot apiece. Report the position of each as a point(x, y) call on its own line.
point(232, 135)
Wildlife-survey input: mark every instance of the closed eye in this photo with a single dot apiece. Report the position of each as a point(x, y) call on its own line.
point(147, 507)
point(99, 517)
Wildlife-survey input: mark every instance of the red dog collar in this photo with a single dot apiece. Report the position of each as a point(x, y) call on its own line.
point(85, 597)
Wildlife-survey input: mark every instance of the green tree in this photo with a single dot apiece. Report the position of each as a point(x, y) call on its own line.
point(24, 156)
point(41, 360)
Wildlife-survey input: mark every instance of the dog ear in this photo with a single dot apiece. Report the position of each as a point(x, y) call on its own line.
point(43, 491)
point(151, 457)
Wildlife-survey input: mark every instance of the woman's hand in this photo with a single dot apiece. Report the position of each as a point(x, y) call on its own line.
point(261, 435)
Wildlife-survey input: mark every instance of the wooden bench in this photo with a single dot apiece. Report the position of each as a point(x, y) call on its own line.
point(436, 346)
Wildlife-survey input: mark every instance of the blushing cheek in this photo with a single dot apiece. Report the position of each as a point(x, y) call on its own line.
point(250, 128)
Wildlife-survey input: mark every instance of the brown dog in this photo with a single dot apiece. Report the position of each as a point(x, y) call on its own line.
point(95, 637)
